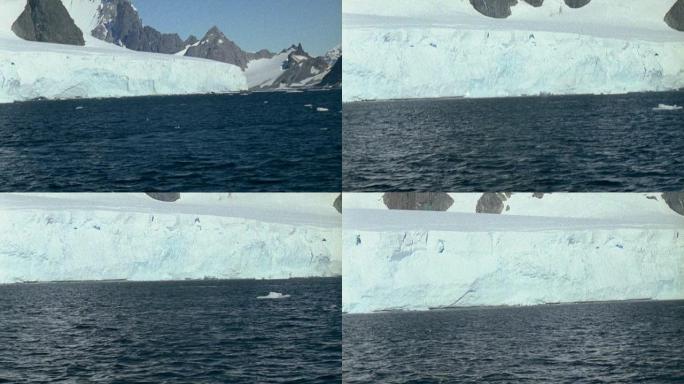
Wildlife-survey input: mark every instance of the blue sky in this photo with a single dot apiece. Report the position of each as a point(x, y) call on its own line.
point(252, 24)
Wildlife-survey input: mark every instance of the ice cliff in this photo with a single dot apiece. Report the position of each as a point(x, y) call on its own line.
point(30, 70)
point(137, 237)
point(416, 260)
point(438, 48)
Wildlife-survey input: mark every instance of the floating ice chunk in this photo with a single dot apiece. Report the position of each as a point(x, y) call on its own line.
point(79, 107)
point(666, 107)
point(321, 109)
point(308, 105)
point(273, 295)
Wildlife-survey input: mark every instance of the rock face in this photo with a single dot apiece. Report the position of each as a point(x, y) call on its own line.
point(192, 39)
point(675, 200)
point(675, 16)
point(338, 203)
point(334, 77)
point(260, 54)
point(300, 66)
point(534, 3)
point(499, 9)
point(47, 21)
point(576, 3)
point(216, 46)
point(416, 201)
point(491, 202)
point(165, 197)
point(121, 24)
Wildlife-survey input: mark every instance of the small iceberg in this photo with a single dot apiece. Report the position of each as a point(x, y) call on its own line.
point(79, 108)
point(308, 105)
point(665, 107)
point(273, 295)
point(321, 109)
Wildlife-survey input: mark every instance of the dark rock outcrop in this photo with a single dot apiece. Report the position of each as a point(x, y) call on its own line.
point(492, 202)
point(192, 39)
point(49, 22)
point(260, 54)
point(300, 66)
point(499, 9)
point(334, 77)
point(576, 3)
point(538, 195)
point(216, 46)
point(675, 16)
point(122, 25)
point(165, 197)
point(675, 200)
point(338, 203)
point(417, 201)
point(535, 3)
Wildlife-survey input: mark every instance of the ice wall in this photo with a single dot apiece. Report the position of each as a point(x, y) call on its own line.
point(39, 70)
point(445, 48)
point(30, 70)
point(45, 244)
point(530, 263)
point(415, 62)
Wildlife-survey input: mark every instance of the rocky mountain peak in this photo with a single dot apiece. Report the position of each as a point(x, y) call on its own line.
point(216, 46)
point(47, 21)
point(675, 16)
point(192, 39)
point(120, 23)
point(213, 33)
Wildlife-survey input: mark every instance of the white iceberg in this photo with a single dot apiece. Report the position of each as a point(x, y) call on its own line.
point(274, 296)
point(666, 107)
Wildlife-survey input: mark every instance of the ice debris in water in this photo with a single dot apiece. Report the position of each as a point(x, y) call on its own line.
point(274, 295)
point(321, 109)
point(666, 107)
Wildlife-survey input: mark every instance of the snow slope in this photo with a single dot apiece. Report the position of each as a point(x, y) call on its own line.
point(31, 70)
point(440, 48)
point(48, 237)
point(415, 260)
point(261, 73)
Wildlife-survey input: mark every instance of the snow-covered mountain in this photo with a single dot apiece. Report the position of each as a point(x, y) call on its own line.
point(41, 69)
point(545, 249)
point(444, 48)
point(48, 237)
point(333, 55)
point(291, 68)
point(118, 22)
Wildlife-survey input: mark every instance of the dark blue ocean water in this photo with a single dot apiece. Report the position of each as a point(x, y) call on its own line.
point(171, 332)
point(560, 143)
point(583, 343)
point(259, 142)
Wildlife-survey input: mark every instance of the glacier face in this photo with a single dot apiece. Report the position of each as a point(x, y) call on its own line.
point(482, 262)
point(62, 239)
point(31, 70)
point(58, 72)
point(415, 62)
point(444, 48)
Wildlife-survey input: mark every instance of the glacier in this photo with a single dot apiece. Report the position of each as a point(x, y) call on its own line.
point(417, 260)
point(31, 70)
point(398, 50)
point(56, 237)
